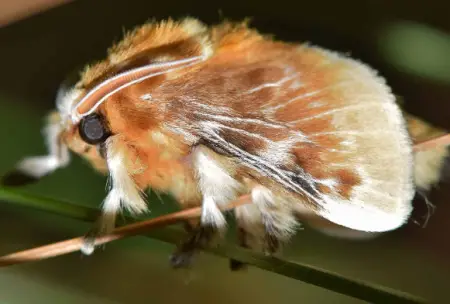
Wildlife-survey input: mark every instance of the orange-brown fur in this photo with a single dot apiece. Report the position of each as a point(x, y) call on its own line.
point(228, 83)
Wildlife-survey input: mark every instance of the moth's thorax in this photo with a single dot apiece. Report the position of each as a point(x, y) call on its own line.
point(164, 160)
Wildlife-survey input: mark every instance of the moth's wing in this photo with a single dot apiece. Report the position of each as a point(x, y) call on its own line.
point(429, 164)
point(325, 127)
point(364, 144)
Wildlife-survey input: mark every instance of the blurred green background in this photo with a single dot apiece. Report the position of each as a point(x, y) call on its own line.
point(407, 41)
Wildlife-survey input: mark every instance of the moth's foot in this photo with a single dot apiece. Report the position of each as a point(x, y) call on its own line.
point(236, 265)
point(267, 242)
point(270, 247)
point(181, 259)
point(242, 239)
point(199, 238)
point(88, 247)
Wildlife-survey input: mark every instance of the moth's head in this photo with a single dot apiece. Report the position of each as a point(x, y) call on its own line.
point(108, 98)
point(87, 138)
point(84, 133)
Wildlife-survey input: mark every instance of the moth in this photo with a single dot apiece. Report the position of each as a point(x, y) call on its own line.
point(211, 113)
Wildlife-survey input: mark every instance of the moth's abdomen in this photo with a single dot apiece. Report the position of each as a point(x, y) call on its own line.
point(356, 146)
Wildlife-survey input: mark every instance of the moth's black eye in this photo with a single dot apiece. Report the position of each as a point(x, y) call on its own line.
point(93, 129)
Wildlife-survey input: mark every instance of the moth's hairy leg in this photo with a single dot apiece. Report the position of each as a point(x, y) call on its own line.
point(250, 231)
point(277, 218)
point(218, 188)
point(183, 256)
point(272, 240)
point(201, 237)
point(104, 224)
point(124, 193)
point(190, 225)
point(243, 241)
point(262, 226)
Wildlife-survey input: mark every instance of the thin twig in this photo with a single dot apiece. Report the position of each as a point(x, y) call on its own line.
point(75, 244)
point(366, 291)
point(442, 140)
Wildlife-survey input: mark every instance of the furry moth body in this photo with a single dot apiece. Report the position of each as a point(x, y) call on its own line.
point(208, 114)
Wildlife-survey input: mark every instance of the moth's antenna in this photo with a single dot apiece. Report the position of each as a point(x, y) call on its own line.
point(114, 84)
